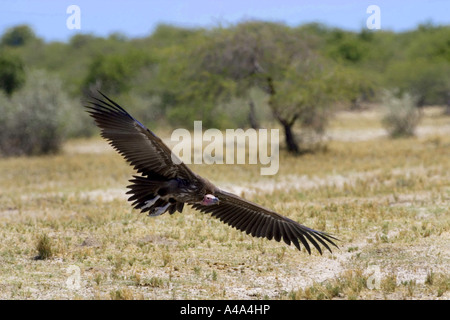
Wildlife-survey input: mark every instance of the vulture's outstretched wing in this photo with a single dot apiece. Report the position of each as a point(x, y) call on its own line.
point(137, 144)
point(261, 222)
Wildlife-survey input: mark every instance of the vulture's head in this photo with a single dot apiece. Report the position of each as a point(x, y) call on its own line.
point(209, 199)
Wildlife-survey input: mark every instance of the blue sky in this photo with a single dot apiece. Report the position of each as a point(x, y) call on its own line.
point(136, 18)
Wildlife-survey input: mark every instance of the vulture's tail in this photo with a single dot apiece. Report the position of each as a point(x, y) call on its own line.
point(145, 195)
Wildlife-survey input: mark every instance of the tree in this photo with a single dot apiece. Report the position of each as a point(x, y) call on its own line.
point(18, 36)
point(113, 72)
point(271, 56)
point(428, 80)
point(304, 95)
point(12, 74)
point(79, 40)
point(347, 47)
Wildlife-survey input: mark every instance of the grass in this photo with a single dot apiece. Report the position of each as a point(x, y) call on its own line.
point(387, 200)
point(44, 247)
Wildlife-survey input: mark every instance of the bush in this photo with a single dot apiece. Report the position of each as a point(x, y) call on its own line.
point(33, 120)
point(44, 247)
point(12, 74)
point(402, 114)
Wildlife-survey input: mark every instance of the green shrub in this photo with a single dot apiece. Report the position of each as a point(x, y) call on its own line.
point(33, 121)
point(402, 114)
point(12, 75)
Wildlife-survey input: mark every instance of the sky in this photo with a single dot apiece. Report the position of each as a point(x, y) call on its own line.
point(138, 18)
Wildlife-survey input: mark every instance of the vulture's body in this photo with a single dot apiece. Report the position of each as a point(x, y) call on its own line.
point(164, 186)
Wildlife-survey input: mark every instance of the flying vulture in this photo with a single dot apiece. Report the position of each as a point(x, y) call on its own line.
point(164, 186)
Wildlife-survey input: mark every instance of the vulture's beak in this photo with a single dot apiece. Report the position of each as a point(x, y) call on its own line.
point(215, 200)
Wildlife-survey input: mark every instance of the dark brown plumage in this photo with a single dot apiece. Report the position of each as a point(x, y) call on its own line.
point(165, 186)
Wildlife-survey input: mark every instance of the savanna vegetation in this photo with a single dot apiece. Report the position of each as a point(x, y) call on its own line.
point(247, 75)
point(338, 97)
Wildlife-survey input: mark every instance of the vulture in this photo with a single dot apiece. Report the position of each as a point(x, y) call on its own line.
point(163, 185)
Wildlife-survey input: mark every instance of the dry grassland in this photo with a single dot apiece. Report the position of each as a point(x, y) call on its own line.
point(67, 231)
